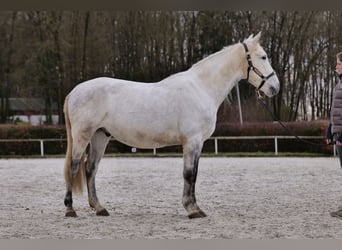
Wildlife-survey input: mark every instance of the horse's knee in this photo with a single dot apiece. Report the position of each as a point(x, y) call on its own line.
point(190, 175)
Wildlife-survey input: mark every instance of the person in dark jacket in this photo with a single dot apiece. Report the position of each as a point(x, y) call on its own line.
point(334, 131)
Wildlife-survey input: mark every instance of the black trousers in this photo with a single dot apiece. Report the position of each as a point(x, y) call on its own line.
point(338, 149)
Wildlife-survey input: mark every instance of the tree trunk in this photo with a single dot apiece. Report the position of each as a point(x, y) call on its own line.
point(84, 50)
point(6, 86)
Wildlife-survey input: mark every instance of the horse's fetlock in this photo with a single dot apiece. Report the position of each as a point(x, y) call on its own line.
point(189, 203)
point(68, 202)
point(68, 199)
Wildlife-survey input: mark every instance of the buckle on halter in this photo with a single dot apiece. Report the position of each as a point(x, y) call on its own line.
point(259, 94)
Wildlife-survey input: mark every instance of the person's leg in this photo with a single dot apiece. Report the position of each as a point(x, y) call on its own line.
point(339, 152)
point(338, 213)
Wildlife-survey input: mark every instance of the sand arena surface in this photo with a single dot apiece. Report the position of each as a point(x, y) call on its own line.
point(244, 198)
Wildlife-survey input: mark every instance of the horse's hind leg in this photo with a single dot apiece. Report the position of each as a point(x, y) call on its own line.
point(97, 148)
point(74, 174)
point(191, 153)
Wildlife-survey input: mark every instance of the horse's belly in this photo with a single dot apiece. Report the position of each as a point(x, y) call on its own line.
point(140, 139)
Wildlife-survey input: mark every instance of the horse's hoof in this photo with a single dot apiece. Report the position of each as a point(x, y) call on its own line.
point(102, 212)
point(70, 214)
point(198, 214)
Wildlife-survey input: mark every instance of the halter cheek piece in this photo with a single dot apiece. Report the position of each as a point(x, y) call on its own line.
point(255, 70)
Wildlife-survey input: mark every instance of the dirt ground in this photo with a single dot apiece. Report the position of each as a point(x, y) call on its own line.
point(244, 198)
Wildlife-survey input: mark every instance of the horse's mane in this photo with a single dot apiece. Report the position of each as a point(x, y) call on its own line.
point(211, 56)
point(225, 50)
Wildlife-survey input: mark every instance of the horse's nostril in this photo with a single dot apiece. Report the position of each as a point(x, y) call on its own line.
point(274, 90)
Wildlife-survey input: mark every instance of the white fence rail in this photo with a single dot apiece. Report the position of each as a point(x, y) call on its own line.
point(40, 141)
point(273, 137)
point(216, 141)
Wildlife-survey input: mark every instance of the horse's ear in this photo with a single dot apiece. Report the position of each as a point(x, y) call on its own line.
point(256, 39)
point(250, 38)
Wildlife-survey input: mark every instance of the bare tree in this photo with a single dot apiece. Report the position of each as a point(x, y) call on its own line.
point(5, 90)
point(55, 50)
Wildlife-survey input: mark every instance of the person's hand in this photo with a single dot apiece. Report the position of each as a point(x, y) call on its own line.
point(338, 143)
point(328, 141)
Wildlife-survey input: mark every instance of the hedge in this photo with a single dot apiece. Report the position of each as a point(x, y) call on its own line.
point(316, 128)
point(31, 132)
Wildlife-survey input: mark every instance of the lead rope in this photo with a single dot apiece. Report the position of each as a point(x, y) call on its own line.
point(262, 101)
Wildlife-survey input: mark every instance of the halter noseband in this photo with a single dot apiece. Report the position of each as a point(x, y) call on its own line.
point(256, 71)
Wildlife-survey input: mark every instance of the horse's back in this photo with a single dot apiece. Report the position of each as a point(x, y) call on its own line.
point(143, 115)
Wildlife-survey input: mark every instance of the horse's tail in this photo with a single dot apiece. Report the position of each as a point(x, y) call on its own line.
point(76, 185)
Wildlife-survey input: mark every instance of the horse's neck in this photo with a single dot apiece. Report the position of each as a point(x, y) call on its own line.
point(220, 72)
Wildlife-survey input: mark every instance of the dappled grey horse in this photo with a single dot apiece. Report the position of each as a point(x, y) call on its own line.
point(178, 110)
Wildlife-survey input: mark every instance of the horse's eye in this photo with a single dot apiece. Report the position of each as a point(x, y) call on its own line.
point(264, 57)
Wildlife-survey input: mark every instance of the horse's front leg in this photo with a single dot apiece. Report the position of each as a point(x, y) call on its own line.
point(191, 152)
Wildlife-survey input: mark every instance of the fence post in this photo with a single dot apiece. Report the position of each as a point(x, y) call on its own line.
point(154, 151)
point(41, 148)
point(216, 146)
point(276, 145)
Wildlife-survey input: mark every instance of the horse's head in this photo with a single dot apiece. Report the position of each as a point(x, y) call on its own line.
point(259, 71)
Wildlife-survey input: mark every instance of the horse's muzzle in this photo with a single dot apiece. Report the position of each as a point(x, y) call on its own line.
point(274, 90)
